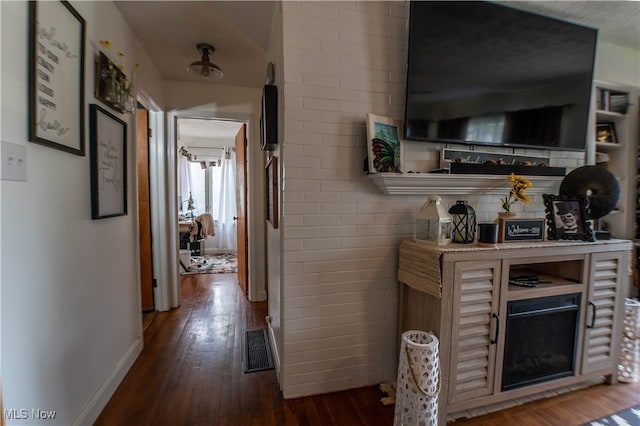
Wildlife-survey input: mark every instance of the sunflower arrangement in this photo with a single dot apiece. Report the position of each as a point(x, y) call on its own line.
point(518, 186)
point(119, 89)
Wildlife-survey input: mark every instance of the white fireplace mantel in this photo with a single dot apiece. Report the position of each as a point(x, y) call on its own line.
point(457, 184)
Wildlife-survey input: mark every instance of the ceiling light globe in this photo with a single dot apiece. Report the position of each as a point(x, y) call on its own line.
point(204, 68)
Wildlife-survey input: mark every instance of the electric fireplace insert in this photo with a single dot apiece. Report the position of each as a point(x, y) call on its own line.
point(541, 340)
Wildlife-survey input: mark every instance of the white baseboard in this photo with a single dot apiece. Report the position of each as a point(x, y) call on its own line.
point(95, 406)
point(274, 347)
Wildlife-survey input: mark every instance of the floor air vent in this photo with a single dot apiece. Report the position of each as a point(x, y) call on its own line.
point(258, 351)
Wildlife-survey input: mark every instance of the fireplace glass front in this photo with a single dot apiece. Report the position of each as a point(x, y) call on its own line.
point(541, 340)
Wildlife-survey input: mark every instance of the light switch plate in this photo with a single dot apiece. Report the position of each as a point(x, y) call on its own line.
point(14, 162)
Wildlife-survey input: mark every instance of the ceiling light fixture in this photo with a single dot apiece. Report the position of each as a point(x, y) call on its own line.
point(204, 68)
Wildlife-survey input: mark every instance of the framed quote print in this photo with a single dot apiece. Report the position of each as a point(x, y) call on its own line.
point(56, 76)
point(108, 164)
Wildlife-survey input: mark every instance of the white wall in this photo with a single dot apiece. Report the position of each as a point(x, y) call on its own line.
point(71, 322)
point(617, 64)
point(340, 235)
point(342, 60)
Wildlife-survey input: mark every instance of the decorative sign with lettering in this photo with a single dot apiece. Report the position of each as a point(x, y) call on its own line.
point(56, 76)
point(511, 230)
point(108, 163)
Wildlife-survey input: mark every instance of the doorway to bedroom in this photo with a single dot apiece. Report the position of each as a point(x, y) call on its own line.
point(210, 195)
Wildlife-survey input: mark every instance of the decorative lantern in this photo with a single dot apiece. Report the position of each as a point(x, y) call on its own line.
point(464, 222)
point(433, 223)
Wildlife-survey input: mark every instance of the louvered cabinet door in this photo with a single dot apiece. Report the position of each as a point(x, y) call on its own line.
point(475, 309)
point(606, 278)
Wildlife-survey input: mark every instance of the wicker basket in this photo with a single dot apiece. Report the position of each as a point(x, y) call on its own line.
point(418, 380)
point(629, 352)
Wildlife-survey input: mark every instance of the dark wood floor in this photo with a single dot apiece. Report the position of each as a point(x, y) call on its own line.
point(190, 372)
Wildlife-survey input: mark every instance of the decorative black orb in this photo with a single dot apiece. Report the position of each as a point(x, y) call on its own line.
point(464, 222)
point(598, 184)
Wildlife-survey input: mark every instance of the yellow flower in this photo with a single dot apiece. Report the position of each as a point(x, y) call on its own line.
point(518, 185)
point(106, 44)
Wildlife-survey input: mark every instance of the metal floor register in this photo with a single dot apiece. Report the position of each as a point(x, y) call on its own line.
point(258, 351)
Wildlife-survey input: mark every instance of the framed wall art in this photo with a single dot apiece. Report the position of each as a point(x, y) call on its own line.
point(56, 76)
point(567, 218)
point(269, 118)
point(108, 141)
point(271, 191)
point(383, 144)
point(606, 132)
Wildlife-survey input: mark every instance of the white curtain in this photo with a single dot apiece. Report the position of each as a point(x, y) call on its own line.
point(224, 204)
point(198, 179)
point(185, 183)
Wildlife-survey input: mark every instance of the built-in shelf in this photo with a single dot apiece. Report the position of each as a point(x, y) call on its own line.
point(462, 184)
point(615, 108)
point(606, 146)
point(610, 114)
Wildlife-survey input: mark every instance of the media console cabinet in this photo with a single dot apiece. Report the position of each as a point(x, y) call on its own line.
point(500, 341)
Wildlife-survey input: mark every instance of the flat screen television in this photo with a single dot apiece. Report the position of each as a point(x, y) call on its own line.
point(481, 73)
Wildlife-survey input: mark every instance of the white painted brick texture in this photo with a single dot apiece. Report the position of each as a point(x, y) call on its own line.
point(340, 234)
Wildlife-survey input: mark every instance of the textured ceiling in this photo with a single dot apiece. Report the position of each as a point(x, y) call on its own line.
point(618, 22)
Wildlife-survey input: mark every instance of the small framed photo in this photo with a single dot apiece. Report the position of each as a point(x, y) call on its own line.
point(108, 139)
point(606, 132)
point(567, 218)
point(383, 144)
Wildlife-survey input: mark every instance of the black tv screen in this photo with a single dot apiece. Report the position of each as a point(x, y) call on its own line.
point(485, 74)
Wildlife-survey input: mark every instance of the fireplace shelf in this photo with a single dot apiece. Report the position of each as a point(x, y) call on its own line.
point(463, 184)
point(462, 293)
point(554, 289)
point(557, 278)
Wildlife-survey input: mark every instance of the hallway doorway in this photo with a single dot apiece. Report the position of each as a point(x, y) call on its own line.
point(211, 181)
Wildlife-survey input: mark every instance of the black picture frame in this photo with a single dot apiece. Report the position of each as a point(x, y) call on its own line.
point(269, 118)
point(559, 207)
point(271, 191)
point(108, 141)
point(606, 133)
point(56, 76)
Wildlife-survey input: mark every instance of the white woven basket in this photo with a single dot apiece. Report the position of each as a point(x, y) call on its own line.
point(418, 383)
point(629, 352)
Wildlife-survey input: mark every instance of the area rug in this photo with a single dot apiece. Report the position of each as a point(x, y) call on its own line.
point(225, 263)
point(628, 417)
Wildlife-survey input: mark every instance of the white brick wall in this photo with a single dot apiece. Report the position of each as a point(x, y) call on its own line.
point(340, 234)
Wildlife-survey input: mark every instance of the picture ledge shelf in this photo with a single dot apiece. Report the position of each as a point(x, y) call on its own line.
point(462, 184)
